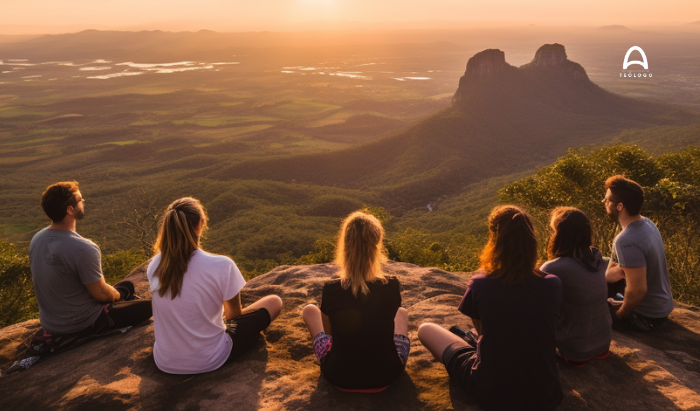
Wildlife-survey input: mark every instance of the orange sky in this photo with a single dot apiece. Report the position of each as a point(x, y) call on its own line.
point(287, 14)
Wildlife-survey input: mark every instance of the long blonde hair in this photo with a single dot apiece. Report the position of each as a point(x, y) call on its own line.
point(177, 240)
point(359, 252)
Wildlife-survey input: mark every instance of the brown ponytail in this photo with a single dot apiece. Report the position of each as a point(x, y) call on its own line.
point(177, 240)
point(511, 251)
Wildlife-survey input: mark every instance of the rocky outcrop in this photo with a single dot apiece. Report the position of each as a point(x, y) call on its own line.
point(550, 55)
point(659, 371)
point(486, 64)
point(551, 59)
point(549, 72)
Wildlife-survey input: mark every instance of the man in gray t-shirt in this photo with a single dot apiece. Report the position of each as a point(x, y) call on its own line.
point(67, 272)
point(63, 263)
point(638, 258)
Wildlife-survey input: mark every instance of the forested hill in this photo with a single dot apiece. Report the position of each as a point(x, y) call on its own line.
point(503, 119)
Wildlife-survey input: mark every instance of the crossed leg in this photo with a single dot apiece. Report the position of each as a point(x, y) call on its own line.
point(317, 322)
point(272, 303)
point(436, 339)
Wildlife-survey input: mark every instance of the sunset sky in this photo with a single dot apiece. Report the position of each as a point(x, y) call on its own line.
point(287, 14)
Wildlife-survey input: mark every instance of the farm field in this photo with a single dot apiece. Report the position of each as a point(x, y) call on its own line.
point(139, 126)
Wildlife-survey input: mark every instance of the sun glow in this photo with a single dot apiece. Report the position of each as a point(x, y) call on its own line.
point(306, 10)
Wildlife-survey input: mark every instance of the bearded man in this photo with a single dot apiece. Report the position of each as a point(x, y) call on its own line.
point(637, 268)
point(66, 270)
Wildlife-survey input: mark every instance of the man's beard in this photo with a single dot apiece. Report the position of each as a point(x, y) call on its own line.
point(614, 215)
point(79, 214)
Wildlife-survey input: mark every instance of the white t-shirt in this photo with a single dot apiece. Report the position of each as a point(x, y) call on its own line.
point(190, 332)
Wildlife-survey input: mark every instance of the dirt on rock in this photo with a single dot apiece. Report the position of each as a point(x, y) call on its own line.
point(658, 371)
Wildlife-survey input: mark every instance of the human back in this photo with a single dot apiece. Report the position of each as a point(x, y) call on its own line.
point(360, 332)
point(585, 327)
point(363, 353)
point(194, 292)
point(508, 361)
point(62, 262)
point(516, 363)
point(517, 308)
point(189, 330)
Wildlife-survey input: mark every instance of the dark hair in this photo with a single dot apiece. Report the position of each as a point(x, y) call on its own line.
point(627, 192)
point(56, 199)
point(511, 251)
point(572, 237)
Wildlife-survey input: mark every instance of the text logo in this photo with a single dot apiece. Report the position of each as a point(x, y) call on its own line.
point(644, 63)
point(626, 63)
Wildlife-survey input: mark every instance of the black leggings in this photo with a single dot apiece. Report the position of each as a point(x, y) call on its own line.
point(130, 313)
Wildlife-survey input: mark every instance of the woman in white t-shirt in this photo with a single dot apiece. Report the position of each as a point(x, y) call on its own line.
point(191, 290)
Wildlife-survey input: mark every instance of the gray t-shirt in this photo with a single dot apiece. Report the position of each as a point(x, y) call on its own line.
point(62, 262)
point(585, 325)
point(640, 245)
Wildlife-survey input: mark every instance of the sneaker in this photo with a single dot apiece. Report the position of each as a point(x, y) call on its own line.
point(575, 364)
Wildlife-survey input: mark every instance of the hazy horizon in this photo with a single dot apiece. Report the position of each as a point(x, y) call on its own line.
point(21, 17)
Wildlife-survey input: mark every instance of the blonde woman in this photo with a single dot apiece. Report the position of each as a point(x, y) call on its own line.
point(360, 332)
point(191, 290)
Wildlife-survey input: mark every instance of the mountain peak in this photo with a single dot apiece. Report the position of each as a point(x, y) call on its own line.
point(486, 64)
point(488, 76)
point(550, 55)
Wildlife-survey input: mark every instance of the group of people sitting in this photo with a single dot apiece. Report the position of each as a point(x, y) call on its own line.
point(524, 317)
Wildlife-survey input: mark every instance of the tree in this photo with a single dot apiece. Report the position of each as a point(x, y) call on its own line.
point(135, 218)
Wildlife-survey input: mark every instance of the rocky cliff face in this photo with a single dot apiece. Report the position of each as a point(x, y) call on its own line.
point(488, 73)
point(551, 58)
point(486, 64)
point(659, 371)
point(550, 55)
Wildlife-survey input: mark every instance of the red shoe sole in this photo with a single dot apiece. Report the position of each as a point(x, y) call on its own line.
point(603, 356)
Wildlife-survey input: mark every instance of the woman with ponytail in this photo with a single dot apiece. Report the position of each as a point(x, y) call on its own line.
point(585, 326)
point(199, 321)
point(510, 362)
point(360, 333)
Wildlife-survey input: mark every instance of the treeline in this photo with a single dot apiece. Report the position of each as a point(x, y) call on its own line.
point(672, 200)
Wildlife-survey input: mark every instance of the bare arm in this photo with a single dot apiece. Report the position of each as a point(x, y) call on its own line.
point(635, 290)
point(103, 292)
point(614, 272)
point(233, 308)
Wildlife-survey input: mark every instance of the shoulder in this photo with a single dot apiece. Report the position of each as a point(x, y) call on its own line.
point(217, 261)
point(392, 281)
point(627, 238)
point(636, 232)
point(84, 247)
point(392, 284)
point(332, 286)
point(81, 243)
point(479, 278)
point(552, 265)
point(40, 234)
point(551, 280)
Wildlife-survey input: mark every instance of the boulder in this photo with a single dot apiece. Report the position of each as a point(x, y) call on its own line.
point(656, 371)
